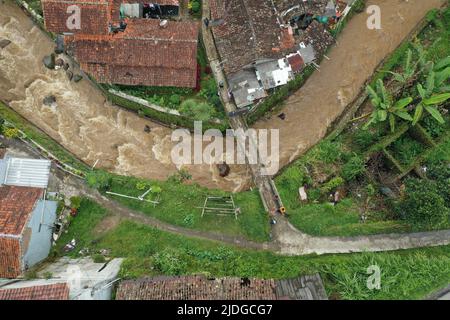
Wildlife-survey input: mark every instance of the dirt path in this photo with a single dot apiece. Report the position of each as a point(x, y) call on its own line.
point(287, 239)
point(327, 93)
point(82, 121)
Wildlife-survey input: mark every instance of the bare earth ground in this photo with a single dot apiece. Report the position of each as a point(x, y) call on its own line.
point(327, 93)
point(92, 129)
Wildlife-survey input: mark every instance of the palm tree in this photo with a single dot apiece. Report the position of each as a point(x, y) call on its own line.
point(385, 108)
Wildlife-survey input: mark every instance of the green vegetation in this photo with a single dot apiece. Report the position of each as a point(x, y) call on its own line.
point(180, 202)
point(408, 274)
point(366, 166)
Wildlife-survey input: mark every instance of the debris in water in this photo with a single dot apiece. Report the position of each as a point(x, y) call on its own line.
point(4, 43)
point(282, 116)
point(59, 62)
point(224, 169)
point(147, 129)
point(49, 100)
point(77, 78)
point(69, 75)
point(49, 61)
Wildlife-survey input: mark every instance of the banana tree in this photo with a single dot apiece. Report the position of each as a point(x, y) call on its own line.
point(429, 103)
point(385, 109)
point(409, 70)
point(434, 92)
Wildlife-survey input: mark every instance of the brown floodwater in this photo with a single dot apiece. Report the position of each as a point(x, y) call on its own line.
point(91, 128)
point(327, 93)
point(82, 120)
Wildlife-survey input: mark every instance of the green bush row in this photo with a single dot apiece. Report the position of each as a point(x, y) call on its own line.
point(162, 117)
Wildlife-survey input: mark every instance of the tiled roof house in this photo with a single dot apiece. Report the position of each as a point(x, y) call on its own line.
point(129, 51)
point(203, 288)
point(25, 223)
point(58, 291)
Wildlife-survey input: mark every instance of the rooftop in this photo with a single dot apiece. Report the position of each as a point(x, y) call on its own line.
point(202, 288)
point(20, 172)
point(16, 205)
point(257, 29)
point(58, 291)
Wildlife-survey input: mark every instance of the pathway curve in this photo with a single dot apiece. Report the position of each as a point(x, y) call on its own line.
point(288, 240)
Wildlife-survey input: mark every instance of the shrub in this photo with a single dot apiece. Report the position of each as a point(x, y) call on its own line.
point(196, 6)
point(98, 258)
point(189, 220)
point(175, 99)
point(332, 184)
point(98, 179)
point(11, 133)
point(141, 186)
point(200, 111)
point(169, 263)
point(353, 168)
point(75, 203)
point(329, 151)
point(423, 206)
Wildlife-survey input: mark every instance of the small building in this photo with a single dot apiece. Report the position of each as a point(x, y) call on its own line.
point(203, 288)
point(273, 73)
point(246, 88)
point(26, 217)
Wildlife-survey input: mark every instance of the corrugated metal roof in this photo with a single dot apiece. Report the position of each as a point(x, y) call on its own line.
point(25, 172)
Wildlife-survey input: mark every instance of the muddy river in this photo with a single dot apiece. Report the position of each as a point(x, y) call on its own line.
point(91, 128)
point(82, 121)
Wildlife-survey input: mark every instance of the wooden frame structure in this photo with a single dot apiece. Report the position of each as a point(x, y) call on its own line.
point(221, 206)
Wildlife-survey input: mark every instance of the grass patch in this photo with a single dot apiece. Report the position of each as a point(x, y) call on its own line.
point(82, 226)
point(409, 274)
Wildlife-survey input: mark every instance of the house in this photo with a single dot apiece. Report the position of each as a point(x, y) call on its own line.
point(271, 36)
point(26, 217)
point(58, 291)
point(274, 73)
point(246, 88)
point(128, 42)
point(203, 288)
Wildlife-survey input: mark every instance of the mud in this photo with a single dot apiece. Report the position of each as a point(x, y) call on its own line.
point(82, 120)
point(326, 94)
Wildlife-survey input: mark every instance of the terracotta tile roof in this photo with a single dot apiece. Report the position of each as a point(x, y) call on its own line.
point(202, 288)
point(59, 291)
point(10, 254)
point(16, 205)
point(145, 54)
point(95, 15)
point(195, 288)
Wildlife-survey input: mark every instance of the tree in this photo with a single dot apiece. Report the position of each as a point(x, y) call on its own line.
point(385, 108)
point(98, 179)
point(200, 111)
